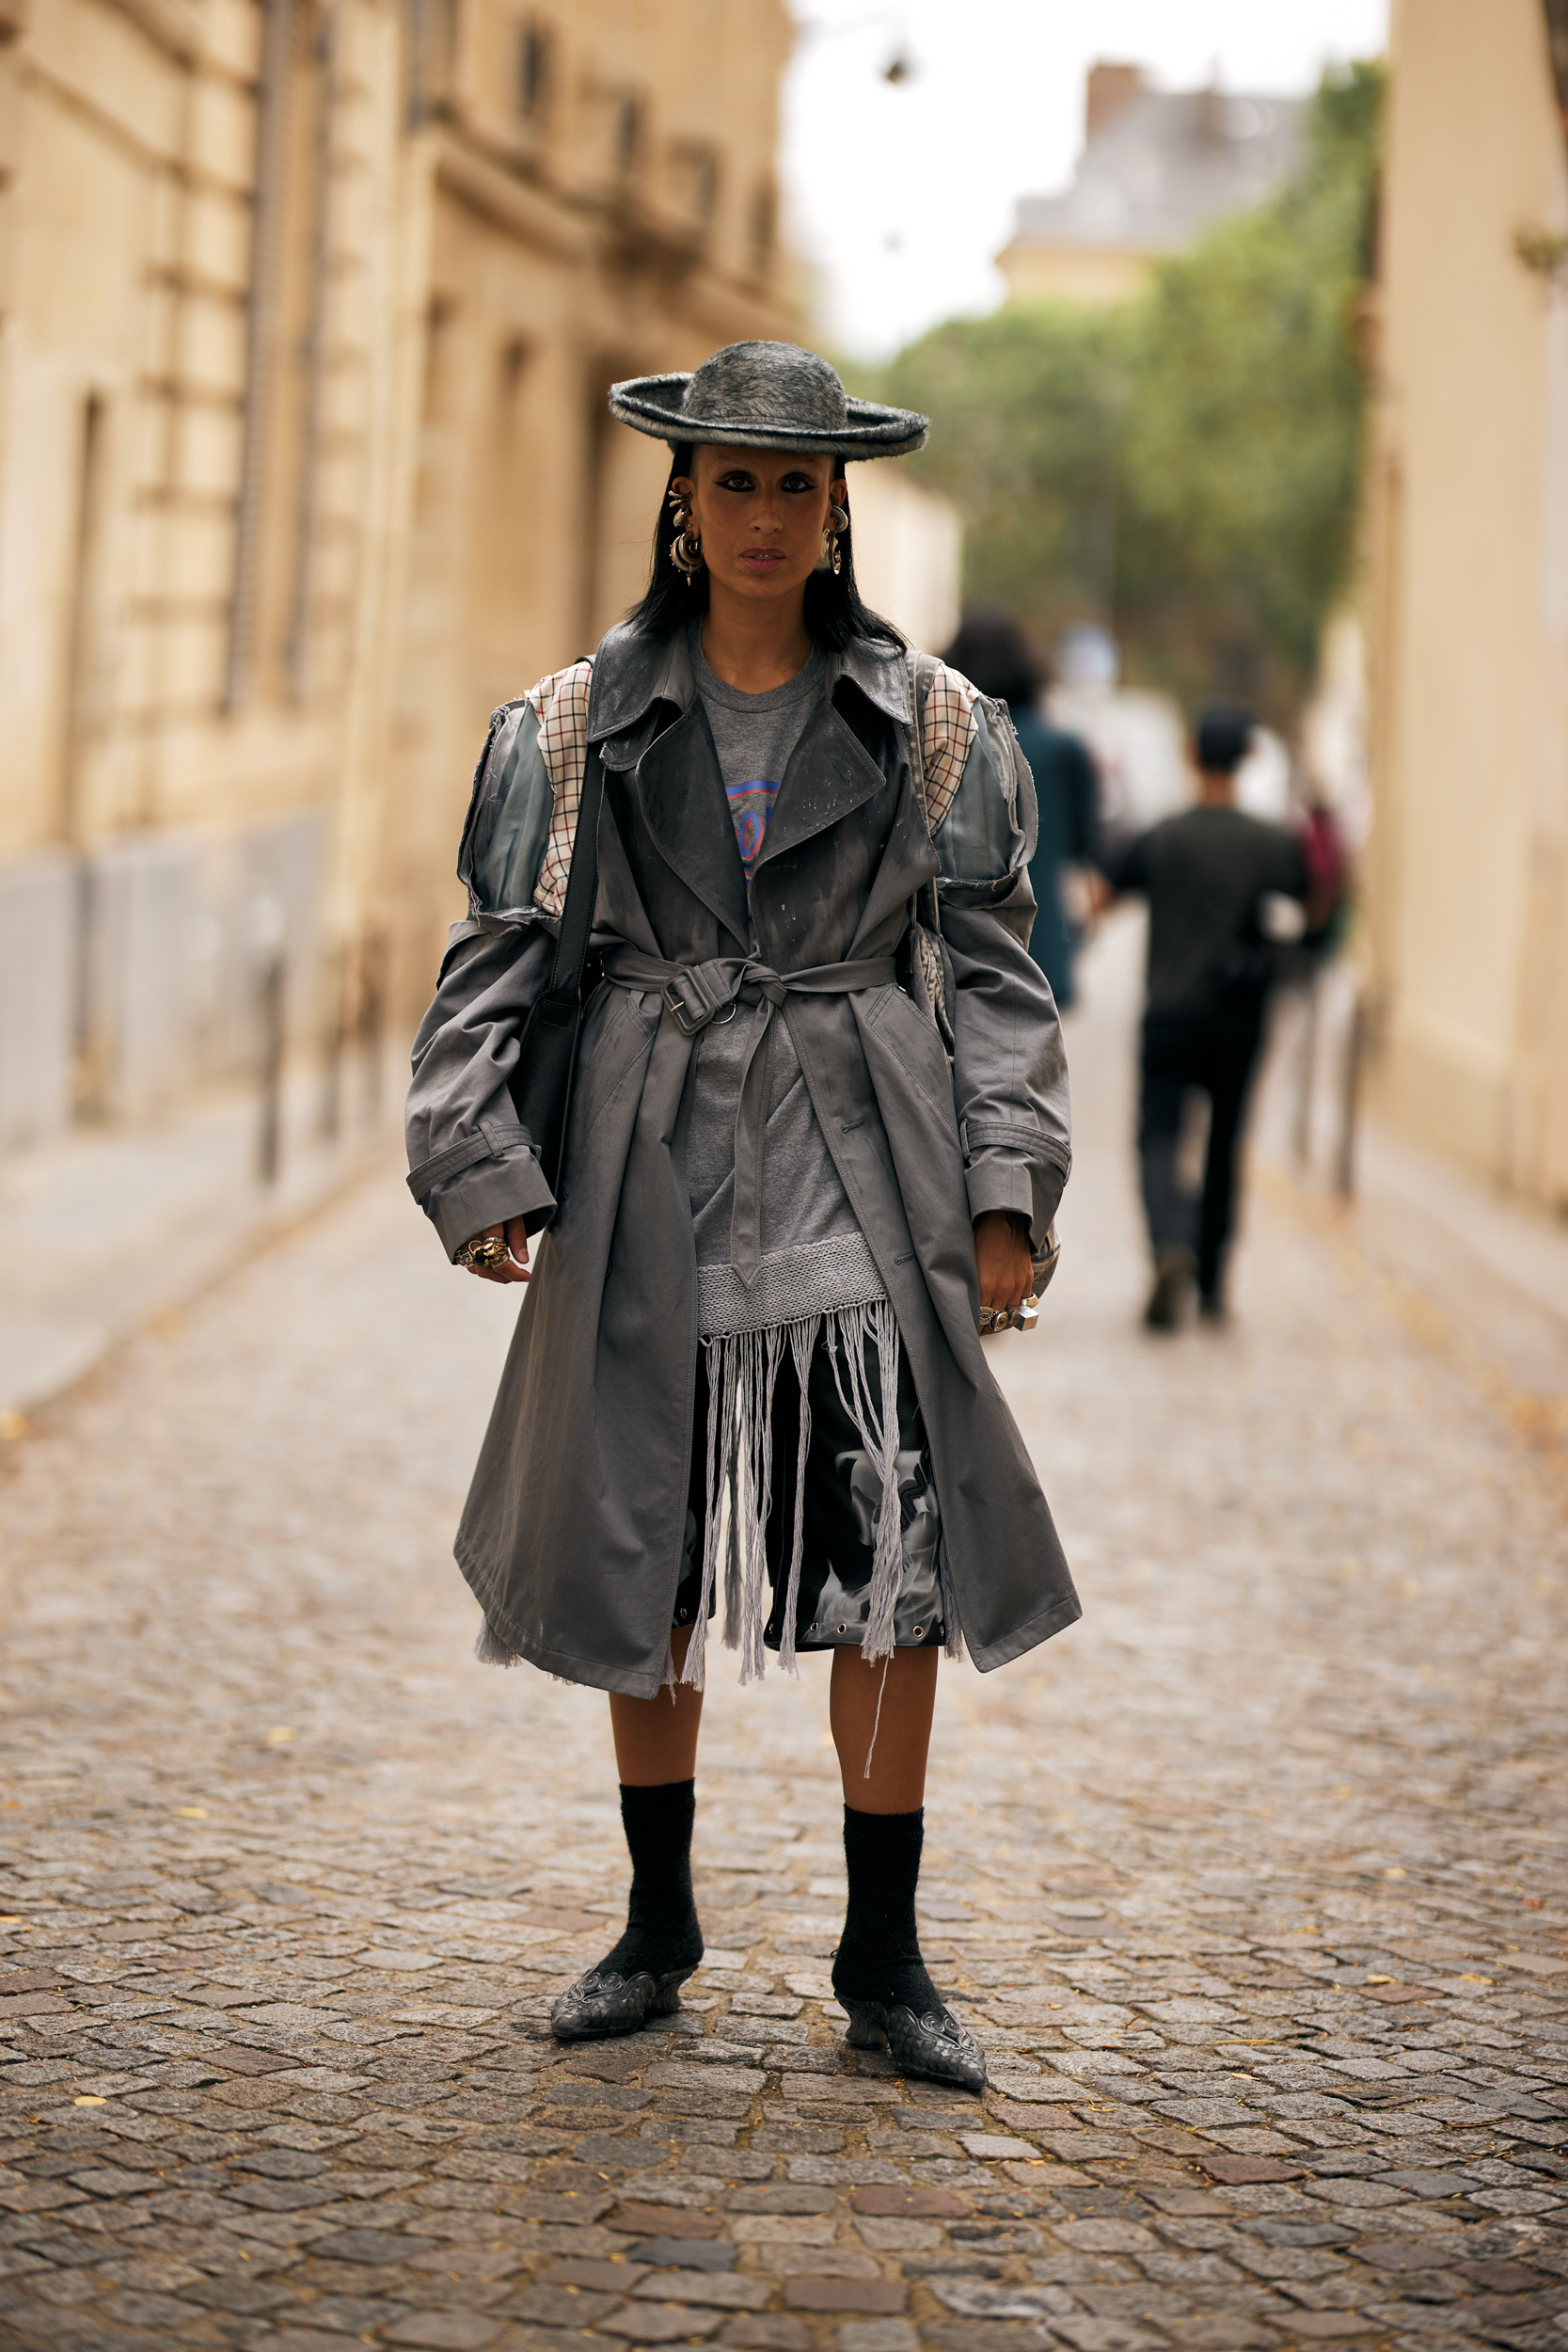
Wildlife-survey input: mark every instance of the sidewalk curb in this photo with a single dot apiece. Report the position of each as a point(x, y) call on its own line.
point(56, 1328)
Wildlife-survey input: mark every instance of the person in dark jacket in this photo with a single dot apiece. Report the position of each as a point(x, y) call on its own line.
point(1208, 875)
point(992, 649)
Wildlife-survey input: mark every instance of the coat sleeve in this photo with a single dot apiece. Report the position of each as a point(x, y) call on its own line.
point(470, 1162)
point(1010, 1071)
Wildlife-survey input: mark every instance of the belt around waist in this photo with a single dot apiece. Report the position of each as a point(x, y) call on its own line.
point(696, 994)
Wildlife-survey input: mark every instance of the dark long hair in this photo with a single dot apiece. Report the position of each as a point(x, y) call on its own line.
point(834, 615)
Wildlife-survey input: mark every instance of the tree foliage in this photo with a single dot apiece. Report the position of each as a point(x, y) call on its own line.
point(1028, 412)
point(1185, 468)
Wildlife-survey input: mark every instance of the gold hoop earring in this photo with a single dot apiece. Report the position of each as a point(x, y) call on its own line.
point(838, 519)
point(685, 553)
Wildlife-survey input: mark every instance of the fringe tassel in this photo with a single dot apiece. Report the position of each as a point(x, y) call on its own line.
point(876, 1719)
point(954, 1646)
point(878, 1433)
point(742, 1376)
point(491, 1650)
point(802, 1339)
point(749, 1377)
point(696, 1649)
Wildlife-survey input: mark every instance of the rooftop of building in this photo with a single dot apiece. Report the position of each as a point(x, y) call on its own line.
point(1157, 167)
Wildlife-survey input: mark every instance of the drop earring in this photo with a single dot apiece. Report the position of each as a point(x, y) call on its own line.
point(685, 552)
point(838, 519)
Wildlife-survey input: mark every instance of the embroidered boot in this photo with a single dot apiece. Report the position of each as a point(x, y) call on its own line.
point(877, 1972)
point(642, 1976)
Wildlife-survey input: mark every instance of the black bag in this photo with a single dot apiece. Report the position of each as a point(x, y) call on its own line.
point(548, 1056)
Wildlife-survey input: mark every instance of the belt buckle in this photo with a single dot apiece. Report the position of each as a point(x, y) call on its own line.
point(692, 1004)
point(686, 1021)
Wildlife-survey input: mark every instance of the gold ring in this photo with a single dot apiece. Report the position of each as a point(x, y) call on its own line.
point(490, 1252)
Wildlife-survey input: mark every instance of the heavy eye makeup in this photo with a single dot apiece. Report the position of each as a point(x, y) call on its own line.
point(737, 479)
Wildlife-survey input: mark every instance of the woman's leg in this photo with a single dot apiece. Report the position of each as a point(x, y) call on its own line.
point(655, 1757)
point(895, 1746)
point(655, 1740)
point(877, 1971)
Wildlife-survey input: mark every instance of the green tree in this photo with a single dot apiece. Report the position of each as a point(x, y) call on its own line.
point(1187, 467)
point(1241, 451)
point(1027, 408)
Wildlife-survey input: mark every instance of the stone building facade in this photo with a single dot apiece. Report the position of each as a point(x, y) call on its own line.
point(1158, 167)
point(307, 312)
point(1467, 598)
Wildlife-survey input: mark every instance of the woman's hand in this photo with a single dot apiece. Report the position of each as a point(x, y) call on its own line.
point(514, 1269)
point(1002, 1259)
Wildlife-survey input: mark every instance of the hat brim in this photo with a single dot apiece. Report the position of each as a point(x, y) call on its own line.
point(652, 404)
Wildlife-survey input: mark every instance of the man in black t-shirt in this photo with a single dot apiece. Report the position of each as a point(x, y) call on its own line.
point(1207, 875)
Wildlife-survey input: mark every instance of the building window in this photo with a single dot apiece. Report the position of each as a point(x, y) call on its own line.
point(765, 226)
point(695, 172)
point(629, 130)
point(535, 71)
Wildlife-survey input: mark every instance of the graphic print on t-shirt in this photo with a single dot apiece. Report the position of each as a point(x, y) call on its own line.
point(751, 807)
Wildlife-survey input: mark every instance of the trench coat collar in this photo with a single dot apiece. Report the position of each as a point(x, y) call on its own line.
point(881, 671)
point(634, 671)
point(679, 784)
point(632, 674)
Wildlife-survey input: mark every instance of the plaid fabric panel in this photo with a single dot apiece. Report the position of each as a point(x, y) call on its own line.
point(947, 734)
point(562, 703)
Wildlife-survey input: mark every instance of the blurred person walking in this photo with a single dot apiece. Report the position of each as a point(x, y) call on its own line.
point(1208, 876)
point(992, 649)
point(819, 1122)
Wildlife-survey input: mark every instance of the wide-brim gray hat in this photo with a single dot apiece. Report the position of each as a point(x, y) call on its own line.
point(765, 396)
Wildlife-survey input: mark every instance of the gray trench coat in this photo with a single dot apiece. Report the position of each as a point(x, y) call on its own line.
point(573, 1530)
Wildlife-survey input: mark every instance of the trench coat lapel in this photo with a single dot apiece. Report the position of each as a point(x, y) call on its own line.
point(828, 774)
point(680, 791)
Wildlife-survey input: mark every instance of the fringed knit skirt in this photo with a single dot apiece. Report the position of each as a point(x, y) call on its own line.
point(813, 1507)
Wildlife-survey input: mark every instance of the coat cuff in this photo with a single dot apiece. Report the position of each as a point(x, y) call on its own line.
point(1005, 1180)
point(488, 1193)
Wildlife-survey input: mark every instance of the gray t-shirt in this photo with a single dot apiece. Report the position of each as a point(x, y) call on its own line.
point(754, 734)
point(814, 1256)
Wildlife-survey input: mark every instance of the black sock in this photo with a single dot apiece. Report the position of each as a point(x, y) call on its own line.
point(662, 1932)
point(879, 1953)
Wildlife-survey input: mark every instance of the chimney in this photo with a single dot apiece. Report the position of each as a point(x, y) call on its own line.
point(1214, 123)
point(1108, 92)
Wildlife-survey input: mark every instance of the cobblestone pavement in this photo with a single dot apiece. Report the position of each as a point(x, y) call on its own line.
point(1253, 1882)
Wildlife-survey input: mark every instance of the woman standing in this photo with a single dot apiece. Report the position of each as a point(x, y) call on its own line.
point(811, 1143)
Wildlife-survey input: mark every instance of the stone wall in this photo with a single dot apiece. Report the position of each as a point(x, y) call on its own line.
point(1468, 602)
point(307, 312)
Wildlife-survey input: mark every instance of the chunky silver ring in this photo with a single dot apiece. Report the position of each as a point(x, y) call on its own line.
point(1021, 1318)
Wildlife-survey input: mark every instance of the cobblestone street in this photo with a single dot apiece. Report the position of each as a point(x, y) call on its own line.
point(1253, 1882)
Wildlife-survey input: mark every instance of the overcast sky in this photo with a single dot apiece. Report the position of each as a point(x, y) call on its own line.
point(899, 197)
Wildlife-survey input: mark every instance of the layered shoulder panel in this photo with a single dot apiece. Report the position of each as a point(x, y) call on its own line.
point(562, 703)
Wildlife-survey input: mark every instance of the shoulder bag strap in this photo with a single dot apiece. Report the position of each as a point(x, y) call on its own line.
point(921, 667)
point(919, 686)
point(582, 884)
